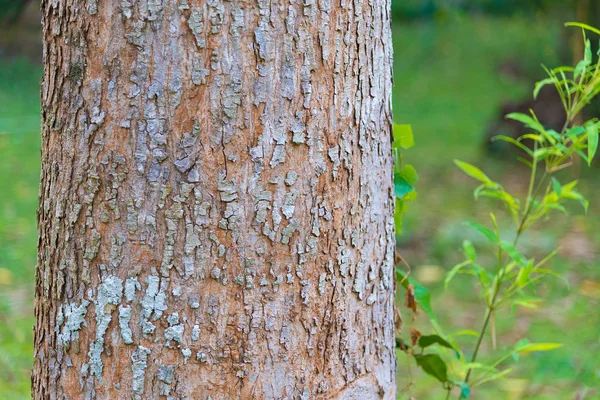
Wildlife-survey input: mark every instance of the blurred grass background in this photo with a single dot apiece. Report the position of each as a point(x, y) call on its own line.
point(19, 179)
point(456, 64)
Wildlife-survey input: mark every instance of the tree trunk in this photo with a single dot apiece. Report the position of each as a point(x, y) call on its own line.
point(216, 201)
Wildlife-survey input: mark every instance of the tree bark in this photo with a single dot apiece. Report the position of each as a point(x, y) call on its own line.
point(216, 200)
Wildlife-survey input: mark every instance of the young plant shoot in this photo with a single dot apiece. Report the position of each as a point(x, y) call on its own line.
point(512, 276)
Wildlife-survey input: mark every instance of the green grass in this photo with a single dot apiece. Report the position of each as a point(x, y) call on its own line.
point(447, 85)
point(19, 177)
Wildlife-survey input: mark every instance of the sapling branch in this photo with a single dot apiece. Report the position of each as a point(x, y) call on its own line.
point(532, 194)
point(514, 272)
point(491, 306)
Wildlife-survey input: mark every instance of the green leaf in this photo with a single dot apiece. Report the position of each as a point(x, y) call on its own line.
point(569, 192)
point(403, 136)
point(512, 252)
point(466, 332)
point(523, 277)
point(548, 258)
point(483, 276)
point(592, 131)
point(524, 119)
point(510, 202)
point(422, 296)
point(557, 207)
point(527, 121)
point(546, 152)
point(561, 147)
point(531, 347)
point(558, 85)
point(484, 187)
point(404, 181)
point(454, 271)
point(580, 68)
point(515, 142)
point(465, 390)
point(469, 250)
point(533, 123)
point(509, 267)
point(524, 161)
point(556, 186)
point(401, 186)
point(553, 133)
point(529, 303)
point(539, 85)
point(532, 136)
point(494, 377)
point(544, 271)
point(409, 173)
point(571, 185)
point(433, 365)
point(583, 156)
point(428, 340)
point(588, 52)
point(576, 131)
point(472, 171)
point(488, 233)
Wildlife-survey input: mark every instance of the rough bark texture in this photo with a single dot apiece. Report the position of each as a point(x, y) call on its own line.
point(216, 200)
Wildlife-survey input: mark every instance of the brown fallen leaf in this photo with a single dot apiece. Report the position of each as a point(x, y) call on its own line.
point(397, 321)
point(411, 302)
point(415, 335)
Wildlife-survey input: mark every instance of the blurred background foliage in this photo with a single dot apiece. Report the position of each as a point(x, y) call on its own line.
point(460, 65)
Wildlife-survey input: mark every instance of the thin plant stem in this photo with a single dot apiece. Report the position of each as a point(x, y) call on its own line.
point(488, 313)
point(522, 226)
point(479, 340)
point(532, 193)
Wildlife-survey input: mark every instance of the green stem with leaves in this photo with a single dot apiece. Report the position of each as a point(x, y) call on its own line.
point(491, 306)
point(556, 151)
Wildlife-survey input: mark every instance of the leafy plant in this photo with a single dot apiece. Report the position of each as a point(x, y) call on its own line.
point(513, 275)
point(405, 175)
